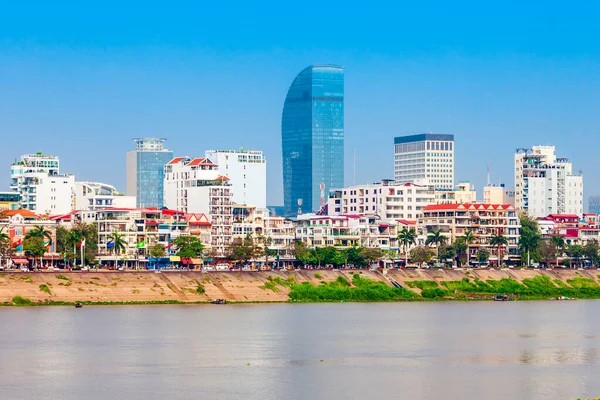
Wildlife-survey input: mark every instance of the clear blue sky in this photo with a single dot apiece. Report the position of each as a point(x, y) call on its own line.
point(80, 79)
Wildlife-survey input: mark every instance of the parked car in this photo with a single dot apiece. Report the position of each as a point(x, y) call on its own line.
point(222, 267)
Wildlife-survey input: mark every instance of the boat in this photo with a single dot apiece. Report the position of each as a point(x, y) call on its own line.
point(78, 305)
point(219, 301)
point(503, 297)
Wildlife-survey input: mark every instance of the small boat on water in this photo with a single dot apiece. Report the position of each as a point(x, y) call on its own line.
point(503, 297)
point(78, 305)
point(219, 301)
point(564, 298)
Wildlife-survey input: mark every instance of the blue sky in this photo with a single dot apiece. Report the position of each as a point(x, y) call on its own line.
point(80, 80)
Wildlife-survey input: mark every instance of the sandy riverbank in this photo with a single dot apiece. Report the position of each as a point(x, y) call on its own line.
point(232, 286)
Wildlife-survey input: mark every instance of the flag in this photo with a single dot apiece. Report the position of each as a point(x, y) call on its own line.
point(17, 243)
point(169, 246)
point(47, 243)
point(81, 244)
point(110, 244)
point(141, 244)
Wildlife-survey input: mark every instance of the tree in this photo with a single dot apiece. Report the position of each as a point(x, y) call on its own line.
point(407, 237)
point(460, 247)
point(39, 231)
point(6, 249)
point(188, 247)
point(468, 239)
point(575, 251)
point(157, 251)
point(530, 237)
point(499, 241)
point(266, 242)
point(34, 246)
point(353, 257)
point(302, 253)
point(243, 250)
point(483, 255)
point(89, 232)
point(435, 238)
point(591, 250)
point(421, 254)
point(447, 252)
point(559, 242)
point(371, 254)
point(547, 251)
point(118, 244)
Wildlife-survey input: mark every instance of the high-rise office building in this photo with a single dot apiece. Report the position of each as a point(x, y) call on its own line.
point(545, 184)
point(312, 136)
point(594, 204)
point(145, 171)
point(425, 156)
point(247, 171)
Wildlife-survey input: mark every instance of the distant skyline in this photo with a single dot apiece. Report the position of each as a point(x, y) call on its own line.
point(81, 82)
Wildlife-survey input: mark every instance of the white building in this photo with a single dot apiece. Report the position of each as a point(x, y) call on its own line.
point(545, 184)
point(498, 194)
point(425, 156)
point(97, 196)
point(195, 186)
point(36, 177)
point(247, 171)
point(386, 200)
point(463, 193)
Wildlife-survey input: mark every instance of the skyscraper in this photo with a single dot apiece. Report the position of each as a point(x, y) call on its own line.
point(425, 156)
point(145, 171)
point(312, 136)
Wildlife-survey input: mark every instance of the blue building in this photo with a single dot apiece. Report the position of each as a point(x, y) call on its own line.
point(145, 171)
point(312, 136)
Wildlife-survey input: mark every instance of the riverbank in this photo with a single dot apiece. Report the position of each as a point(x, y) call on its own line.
point(191, 287)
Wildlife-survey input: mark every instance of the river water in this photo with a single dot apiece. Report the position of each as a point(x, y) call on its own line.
point(478, 350)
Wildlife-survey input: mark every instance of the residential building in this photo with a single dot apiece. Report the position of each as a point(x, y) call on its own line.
point(145, 171)
point(464, 192)
point(247, 171)
point(17, 223)
point(345, 231)
point(97, 196)
point(385, 199)
point(594, 204)
point(498, 194)
point(483, 220)
point(312, 136)
point(425, 156)
point(36, 178)
point(545, 184)
point(10, 201)
point(195, 186)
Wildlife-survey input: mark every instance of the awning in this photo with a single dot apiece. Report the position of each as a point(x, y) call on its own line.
point(20, 261)
point(197, 261)
point(175, 258)
point(186, 261)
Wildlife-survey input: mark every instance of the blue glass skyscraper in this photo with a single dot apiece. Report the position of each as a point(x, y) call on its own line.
point(312, 136)
point(145, 171)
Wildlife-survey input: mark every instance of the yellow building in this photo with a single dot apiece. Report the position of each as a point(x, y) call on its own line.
point(10, 201)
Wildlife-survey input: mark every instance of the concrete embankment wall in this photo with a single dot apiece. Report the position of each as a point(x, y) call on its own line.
point(232, 286)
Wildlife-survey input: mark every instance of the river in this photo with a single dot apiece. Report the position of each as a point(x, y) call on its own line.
point(476, 350)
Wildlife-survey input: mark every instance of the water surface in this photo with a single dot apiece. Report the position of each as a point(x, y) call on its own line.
point(479, 350)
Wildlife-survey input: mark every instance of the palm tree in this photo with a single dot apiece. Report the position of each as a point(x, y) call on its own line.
point(499, 241)
point(559, 242)
point(4, 243)
point(73, 238)
point(436, 238)
point(39, 231)
point(468, 238)
point(119, 244)
point(407, 237)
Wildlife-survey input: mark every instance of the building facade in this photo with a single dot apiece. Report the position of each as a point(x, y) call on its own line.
point(247, 171)
point(91, 196)
point(36, 178)
point(10, 201)
point(483, 220)
point(145, 171)
point(594, 205)
point(545, 184)
point(498, 194)
point(425, 156)
point(464, 192)
point(385, 200)
point(312, 135)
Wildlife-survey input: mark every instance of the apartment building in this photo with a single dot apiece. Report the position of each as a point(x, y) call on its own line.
point(17, 223)
point(464, 192)
point(498, 194)
point(483, 220)
point(91, 196)
point(385, 199)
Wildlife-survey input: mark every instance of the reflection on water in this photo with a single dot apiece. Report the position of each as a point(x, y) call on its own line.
point(519, 350)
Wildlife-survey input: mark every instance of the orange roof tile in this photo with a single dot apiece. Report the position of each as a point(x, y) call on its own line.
point(466, 206)
point(176, 160)
point(22, 212)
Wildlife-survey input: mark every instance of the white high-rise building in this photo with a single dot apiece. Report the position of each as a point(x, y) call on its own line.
point(91, 196)
point(425, 156)
point(36, 177)
point(386, 200)
point(545, 184)
point(247, 171)
point(196, 186)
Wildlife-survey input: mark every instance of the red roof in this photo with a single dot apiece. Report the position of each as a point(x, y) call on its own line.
point(176, 160)
point(406, 222)
point(222, 178)
point(564, 216)
point(202, 161)
point(466, 206)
